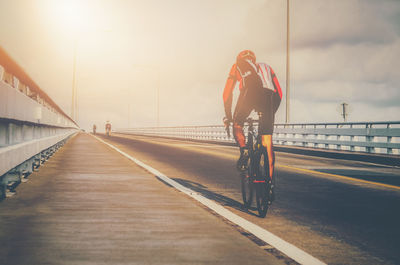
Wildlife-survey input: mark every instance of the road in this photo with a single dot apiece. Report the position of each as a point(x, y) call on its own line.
point(318, 208)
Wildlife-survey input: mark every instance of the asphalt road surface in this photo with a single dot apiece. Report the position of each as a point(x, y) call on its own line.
point(323, 206)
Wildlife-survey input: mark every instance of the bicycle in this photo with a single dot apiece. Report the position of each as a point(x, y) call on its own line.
point(254, 178)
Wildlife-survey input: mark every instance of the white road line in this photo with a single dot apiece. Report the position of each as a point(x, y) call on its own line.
point(290, 250)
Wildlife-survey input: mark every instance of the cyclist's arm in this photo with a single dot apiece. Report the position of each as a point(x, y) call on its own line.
point(228, 92)
point(277, 97)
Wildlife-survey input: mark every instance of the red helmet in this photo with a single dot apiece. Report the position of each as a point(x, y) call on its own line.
point(247, 54)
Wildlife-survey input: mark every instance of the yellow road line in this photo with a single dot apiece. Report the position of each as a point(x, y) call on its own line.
point(341, 177)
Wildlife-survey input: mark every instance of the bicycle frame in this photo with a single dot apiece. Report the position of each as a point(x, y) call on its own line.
point(257, 176)
point(255, 147)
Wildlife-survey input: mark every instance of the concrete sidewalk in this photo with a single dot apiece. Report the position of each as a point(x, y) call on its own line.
point(90, 205)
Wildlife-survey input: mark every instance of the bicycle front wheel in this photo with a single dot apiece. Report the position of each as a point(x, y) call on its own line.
point(262, 187)
point(247, 189)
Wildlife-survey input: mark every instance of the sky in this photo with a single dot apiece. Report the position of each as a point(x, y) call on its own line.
point(340, 51)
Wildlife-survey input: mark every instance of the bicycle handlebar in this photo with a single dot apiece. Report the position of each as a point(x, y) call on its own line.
point(228, 124)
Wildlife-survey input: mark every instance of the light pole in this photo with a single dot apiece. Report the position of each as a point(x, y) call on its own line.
point(345, 111)
point(287, 64)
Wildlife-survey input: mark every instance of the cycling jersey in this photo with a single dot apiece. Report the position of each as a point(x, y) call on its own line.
point(259, 90)
point(250, 74)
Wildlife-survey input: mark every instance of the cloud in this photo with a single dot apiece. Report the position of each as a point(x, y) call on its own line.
point(337, 91)
point(365, 112)
point(342, 22)
point(364, 75)
point(360, 62)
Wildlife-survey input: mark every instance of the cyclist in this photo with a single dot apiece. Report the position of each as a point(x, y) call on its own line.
point(108, 128)
point(259, 91)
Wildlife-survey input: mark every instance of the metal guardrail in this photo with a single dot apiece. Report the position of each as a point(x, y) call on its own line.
point(32, 126)
point(368, 137)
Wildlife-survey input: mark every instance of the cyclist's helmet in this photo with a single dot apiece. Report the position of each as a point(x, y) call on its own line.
point(246, 54)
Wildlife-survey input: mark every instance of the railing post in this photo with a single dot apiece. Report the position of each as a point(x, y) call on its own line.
point(338, 145)
point(369, 139)
point(352, 146)
point(9, 135)
point(315, 136)
point(326, 138)
point(389, 150)
point(389, 140)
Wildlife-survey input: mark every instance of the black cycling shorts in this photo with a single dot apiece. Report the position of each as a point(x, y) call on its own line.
point(259, 99)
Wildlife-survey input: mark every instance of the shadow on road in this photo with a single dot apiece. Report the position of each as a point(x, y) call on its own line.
point(221, 199)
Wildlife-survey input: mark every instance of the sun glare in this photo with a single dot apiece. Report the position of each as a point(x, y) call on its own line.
point(73, 15)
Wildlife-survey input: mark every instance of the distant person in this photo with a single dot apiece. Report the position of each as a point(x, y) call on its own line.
point(108, 128)
point(94, 128)
point(259, 91)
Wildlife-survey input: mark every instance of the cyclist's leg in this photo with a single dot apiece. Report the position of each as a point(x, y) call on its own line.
point(266, 128)
point(239, 134)
point(267, 143)
point(242, 111)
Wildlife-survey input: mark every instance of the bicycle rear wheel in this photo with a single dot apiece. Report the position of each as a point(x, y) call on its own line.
point(262, 186)
point(247, 188)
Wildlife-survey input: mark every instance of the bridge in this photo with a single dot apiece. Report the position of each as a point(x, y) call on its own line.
point(171, 195)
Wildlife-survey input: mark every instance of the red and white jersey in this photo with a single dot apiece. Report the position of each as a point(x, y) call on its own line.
point(266, 75)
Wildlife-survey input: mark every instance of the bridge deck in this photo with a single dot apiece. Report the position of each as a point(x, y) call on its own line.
point(90, 205)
